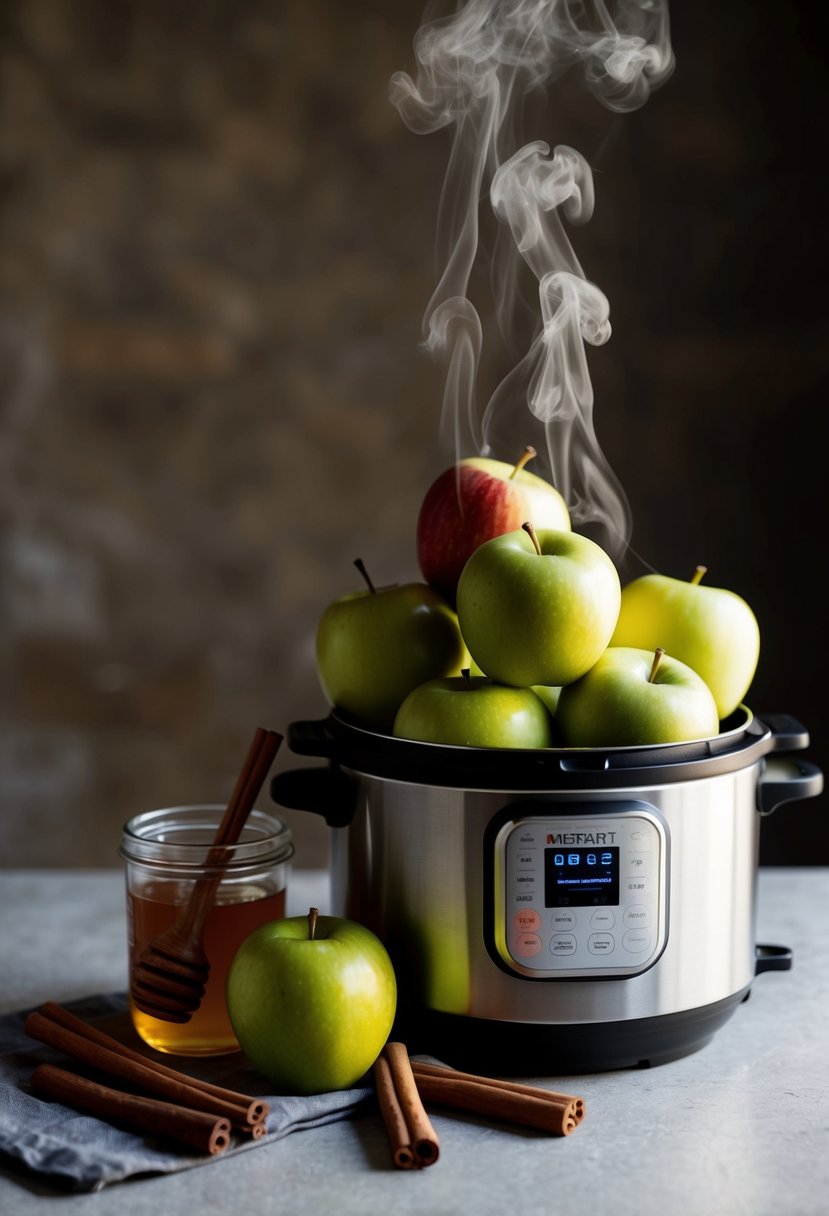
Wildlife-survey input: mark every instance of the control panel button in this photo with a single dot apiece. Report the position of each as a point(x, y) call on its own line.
point(636, 916)
point(563, 944)
point(527, 945)
point(527, 838)
point(602, 918)
point(525, 880)
point(636, 887)
point(563, 918)
point(526, 920)
point(637, 941)
point(601, 943)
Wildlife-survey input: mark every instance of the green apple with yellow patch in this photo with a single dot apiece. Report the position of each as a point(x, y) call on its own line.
point(711, 629)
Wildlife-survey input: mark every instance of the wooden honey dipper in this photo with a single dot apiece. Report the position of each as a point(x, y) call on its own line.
point(169, 978)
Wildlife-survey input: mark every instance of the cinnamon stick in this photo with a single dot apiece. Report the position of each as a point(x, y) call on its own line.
point(208, 1133)
point(115, 1062)
point(393, 1117)
point(507, 1101)
point(260, 757)
point(242, 780)
point(412, 1137)
point(256, 1109)
point(421, 1068)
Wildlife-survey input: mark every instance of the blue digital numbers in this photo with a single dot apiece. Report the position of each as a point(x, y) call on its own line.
point(577, 859)
point(579, 876)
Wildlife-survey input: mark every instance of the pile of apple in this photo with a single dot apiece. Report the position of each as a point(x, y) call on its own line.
point(522, 636)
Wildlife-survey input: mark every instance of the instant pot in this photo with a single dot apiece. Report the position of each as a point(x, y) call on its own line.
point(564, 910)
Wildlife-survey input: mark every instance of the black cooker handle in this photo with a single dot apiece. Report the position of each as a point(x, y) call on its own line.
point(325, 790)
point(311, 738)
point(788, 735)
point(771, 958)
point(787, 779)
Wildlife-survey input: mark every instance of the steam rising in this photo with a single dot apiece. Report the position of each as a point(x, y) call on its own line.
point(475, 68)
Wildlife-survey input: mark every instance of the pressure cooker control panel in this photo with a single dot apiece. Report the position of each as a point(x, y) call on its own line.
point(582, 895)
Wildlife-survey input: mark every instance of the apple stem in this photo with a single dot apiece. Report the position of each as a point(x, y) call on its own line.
point(698, 575)
point(657, 659)
point(529, 453)
point(467, 676)
point(533, 535)
point(313, 913)
point(358, 562)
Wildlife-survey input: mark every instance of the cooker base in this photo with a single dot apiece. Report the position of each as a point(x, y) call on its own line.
point(533, 1049)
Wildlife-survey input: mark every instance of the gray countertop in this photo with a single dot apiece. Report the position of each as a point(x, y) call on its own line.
point(741, 1126)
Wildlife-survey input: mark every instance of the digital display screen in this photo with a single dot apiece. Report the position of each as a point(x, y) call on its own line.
point(579, 877)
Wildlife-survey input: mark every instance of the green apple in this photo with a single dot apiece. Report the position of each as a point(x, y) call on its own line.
point(312, 1001)
point(709, 628)
point(374, 646)
point(538, 608)
point(471, 502)
point(472, 711)
point(549, 695)
point(634, 697)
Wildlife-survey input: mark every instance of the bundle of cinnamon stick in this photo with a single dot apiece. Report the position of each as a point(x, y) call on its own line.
point(403, 1084)
point(159, 1100)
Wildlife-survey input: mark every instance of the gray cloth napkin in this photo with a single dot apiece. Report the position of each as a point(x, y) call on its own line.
point(81, 1153)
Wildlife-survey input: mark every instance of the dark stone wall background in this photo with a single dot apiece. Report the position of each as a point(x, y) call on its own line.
point(217, 245)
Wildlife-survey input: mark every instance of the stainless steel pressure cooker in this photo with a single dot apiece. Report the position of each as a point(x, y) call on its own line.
point(566, 909)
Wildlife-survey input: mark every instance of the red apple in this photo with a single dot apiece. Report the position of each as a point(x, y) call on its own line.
point(474, 501)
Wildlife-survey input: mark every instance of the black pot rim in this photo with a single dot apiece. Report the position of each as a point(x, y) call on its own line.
point(743, 741)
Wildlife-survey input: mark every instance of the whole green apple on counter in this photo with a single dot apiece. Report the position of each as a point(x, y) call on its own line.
point(471, 502)
point(312, 1001)
point(472, 711)
point(711, 629)
point(538, 607)
point(634, 697)
point(374, 646)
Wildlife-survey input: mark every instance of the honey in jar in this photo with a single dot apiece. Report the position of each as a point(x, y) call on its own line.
point(166, 853)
